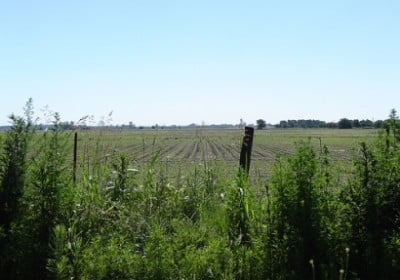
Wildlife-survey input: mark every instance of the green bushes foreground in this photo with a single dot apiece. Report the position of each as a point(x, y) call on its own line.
point(310, 220)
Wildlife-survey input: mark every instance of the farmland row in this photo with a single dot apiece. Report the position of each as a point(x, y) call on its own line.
point(197, 146)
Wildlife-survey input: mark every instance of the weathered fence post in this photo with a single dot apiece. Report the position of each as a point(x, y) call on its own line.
point(75, 155)
point(245, 153)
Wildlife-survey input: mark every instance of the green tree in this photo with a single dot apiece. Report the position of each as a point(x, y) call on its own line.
point(356, 123)
point(261, 124)
point(345, 123)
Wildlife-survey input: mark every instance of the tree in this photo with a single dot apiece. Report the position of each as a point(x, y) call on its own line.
point(261, 124)
point(283, 124)
point(345, 123)
point(356, 123)
point(366, 124)
point(332, 125)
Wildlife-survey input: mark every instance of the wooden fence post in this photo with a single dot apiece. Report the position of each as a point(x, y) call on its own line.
point(245, 153)
point(75, 155)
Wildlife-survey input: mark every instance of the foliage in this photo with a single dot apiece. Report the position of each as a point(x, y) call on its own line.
point(342, 123)
point(128, 219)
point(302, 124)
point(345, 123)
point(261, 124)
point(12, 183)
point(372, 207)
point(301, 192)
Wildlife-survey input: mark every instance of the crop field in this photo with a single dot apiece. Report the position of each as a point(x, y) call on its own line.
point(183, 148)
point(194, 145)
point(217, 145)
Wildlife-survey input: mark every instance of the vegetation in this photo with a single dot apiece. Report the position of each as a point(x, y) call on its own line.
point(345, 123)
point(342, 123)
point(139, 215)
point(261, 124)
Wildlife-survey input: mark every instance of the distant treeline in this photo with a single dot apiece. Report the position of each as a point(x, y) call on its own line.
point(72, 126)
point(342, 123)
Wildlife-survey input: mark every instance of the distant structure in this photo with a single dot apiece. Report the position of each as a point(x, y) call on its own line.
point(242, 124)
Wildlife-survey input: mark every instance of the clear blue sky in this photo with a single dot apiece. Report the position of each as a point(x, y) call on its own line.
point(179, 62)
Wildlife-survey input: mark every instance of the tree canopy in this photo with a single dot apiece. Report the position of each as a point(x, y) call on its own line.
point(261, 124)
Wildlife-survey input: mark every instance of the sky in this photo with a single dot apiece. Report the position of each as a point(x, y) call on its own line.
point(181, 62)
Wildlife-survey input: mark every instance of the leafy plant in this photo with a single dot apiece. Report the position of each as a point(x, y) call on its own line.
point(13, 165)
